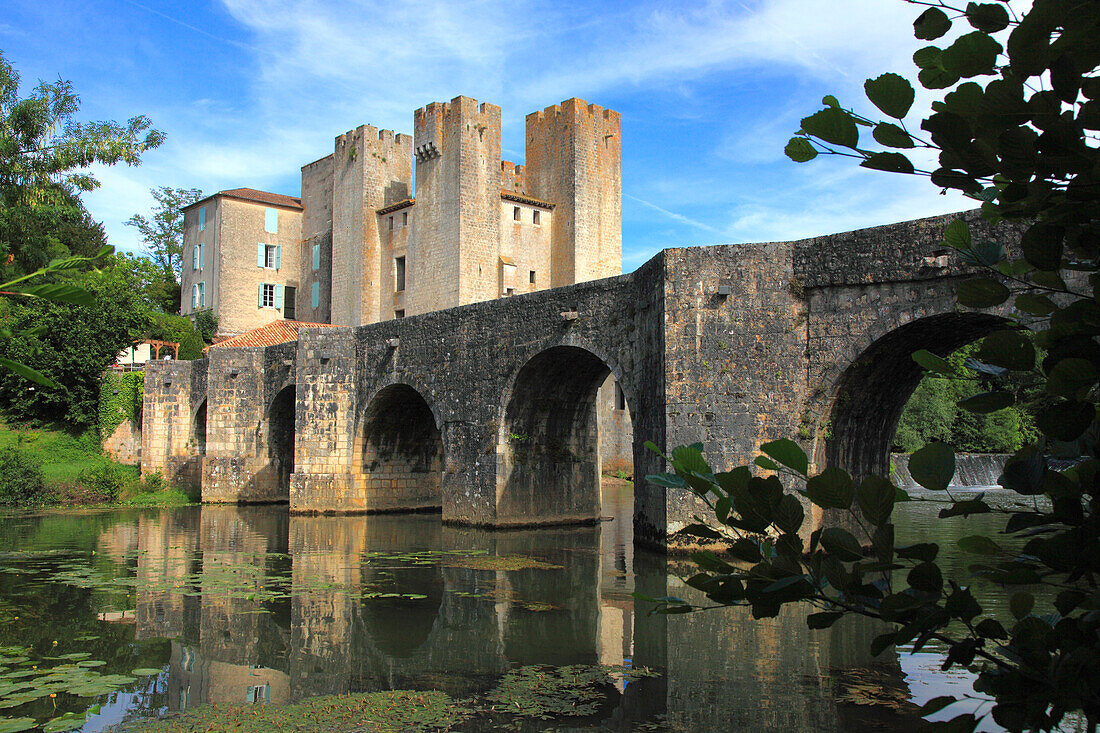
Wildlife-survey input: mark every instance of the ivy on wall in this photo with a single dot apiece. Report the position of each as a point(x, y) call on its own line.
point(119, 400)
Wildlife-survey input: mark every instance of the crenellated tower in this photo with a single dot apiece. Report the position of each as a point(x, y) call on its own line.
point(574, 159)
point(371, 169)
point(455, 239)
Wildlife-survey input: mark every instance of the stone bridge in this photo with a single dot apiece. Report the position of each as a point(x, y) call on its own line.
point(487, 411)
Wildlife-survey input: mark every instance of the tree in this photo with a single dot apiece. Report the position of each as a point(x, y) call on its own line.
point(44, 156)
point(1025, 145)
point(164, 233)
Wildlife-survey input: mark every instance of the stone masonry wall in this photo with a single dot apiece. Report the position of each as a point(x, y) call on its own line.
point(317, 181)
point(172, 394)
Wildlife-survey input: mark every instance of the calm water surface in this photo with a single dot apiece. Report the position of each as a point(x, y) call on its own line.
point(249, 604)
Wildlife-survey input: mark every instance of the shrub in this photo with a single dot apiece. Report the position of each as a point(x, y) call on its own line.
point(21, 482)
point(106, 480)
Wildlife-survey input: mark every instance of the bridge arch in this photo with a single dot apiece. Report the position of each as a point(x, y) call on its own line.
point(869, 395)
point(548, 467)
point(398, 453)
point(280, 440)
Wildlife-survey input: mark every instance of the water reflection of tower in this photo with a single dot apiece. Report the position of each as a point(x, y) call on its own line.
point(167, 556)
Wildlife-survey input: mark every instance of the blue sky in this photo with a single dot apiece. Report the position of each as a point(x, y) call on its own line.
point(250, 90)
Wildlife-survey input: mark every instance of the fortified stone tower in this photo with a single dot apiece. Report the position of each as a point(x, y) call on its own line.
point(315, 260)
point(456, 227)
point(574, 154)
point(371, 169)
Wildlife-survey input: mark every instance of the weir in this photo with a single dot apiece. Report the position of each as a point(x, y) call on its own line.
point(486, 411)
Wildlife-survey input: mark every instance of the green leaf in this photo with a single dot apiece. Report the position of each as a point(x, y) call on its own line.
point(933, 466)
point(823, 620)
point(889, 134)
point(832, 125)
point(891, 93)
point(66, 722)
point(875, 497)
point(987, 402)
point(841, 544)
point(27, 373)
point(1071, 378)
point(1042, 246)
point(982, 293)
point(788, 453)
point(973, 54)
point(56, 292)
point(965, 508)
point(957, 234)
point(696, 530)
point(889, 162)
point(1020, 603)
point(987, 17)
point(979, 545)
point(830, 101)
point(1009, 349)
point(928, 58)
point(800, 150)
point(936, 78)
point(789, 514)
point(831, 489)
point(667, 480)
point(765, 463)
point(926, 577)
point(936, 704)
point(14, 725)
point(745, 549)
point(931, 24)
point(935, 364)
point(924, 551)
point(881, 643)
point(1035, 304)
point(1067, 420)
point(991, 629)
point(689, 459)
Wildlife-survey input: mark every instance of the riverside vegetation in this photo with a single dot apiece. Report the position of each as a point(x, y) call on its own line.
point(1025, 146)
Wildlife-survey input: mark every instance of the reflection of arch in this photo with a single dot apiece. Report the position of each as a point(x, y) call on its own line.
point(872, 392)
point(398, 627)
point(280, 438)
point(198, 429)
point(400, 451)
point(549, 454)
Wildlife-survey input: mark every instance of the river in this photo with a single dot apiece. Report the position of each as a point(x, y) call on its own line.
point(219, 604)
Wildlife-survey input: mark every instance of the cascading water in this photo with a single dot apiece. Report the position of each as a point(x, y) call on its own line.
point(971, 469)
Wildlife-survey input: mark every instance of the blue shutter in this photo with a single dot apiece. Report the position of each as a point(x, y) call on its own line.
point(202, 218)
point(202, 294)
point(260, 300)
point(278, 256)
point(195, 257)
point(278, 297)
point(316, 257)
point(202, 254)
point(314, 294)
point(271, 221)
point(194, 295)
point(260, 254)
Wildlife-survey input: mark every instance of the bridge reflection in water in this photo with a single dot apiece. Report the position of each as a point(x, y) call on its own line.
point(401, 601)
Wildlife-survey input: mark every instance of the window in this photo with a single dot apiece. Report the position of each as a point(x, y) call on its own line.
point(531, 277)
point(202, 294)
point(258, 694)
point(271, 221)
point(290, 310)
point(315, 294)
point(269, 256)
point(194, 296)
point(399, 272)
point(267, 295)
point(515, 213)
point(316, 257)
point(202, 219)
point(620, 398)
point(399, 314)
point(391, 223)
point(196, 257)
point(404, 218)
point(534, 217)
point(509, 292)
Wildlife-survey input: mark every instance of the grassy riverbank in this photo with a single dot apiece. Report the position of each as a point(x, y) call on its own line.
point(49, 466)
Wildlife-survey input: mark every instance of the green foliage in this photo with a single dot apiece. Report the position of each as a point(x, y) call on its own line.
point(120, 398)
point(105, 480)
point(1024, 144)
point(21, 482)
point(973, 411)
point(179, 329)
point(44, 156)
point(206, 323)
point(163, 233)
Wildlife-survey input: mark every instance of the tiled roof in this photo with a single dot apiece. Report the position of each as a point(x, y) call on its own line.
point(260, 197)
point(524, 199)
point(396, 207)
point(276, 332)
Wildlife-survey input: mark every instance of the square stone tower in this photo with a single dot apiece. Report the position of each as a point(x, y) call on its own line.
point(574, 159)
point(455, 240)
point(371, 169)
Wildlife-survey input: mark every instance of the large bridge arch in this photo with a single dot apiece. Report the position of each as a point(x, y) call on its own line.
point(279, 429)
point(548, 462)
point(398, 452)
point(868, 393)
